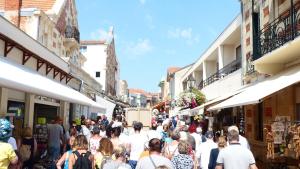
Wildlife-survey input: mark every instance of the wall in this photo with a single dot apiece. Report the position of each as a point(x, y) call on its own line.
point(96, 61)
point(228, 84)
point(229, 54)
point(210, 68)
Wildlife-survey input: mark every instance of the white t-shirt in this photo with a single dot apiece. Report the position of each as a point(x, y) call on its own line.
point(13, 143)
point(146, 163)
point(153, 134)
point(86, 132)
point(204, 153)
point(243, 141)
point(137, 145)
point(235, 156)
point(198, 141)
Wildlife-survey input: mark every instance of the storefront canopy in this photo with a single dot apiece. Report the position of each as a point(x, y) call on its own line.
point(15, 76)
point(253, 94)
point(110, 106)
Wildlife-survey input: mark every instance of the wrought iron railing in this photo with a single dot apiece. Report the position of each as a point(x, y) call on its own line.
point(282, 30)
point(72, 32)
point(226, 70)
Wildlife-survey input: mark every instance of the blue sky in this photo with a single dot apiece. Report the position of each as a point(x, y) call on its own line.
point(152, 35)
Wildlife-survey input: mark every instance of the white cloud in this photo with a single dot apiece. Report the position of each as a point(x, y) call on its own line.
point(142, 2)
point(184, 34)
point(139, 48)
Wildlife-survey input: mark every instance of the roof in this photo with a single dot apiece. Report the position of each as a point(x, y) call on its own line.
point(40, 4)
point(141, 91)
point(173, 69)
point(92, 42)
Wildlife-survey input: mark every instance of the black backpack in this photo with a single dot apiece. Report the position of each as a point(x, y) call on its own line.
point(83, 161)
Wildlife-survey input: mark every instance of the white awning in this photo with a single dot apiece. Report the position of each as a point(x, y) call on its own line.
point(108, 105)
point(184, 112)
point(253, 94)
point(15, 76)
point(197, 110)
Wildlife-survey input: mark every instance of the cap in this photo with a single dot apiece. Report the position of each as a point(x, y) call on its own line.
point(5, 130)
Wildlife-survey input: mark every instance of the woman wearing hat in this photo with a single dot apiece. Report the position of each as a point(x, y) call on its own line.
point(7, 155)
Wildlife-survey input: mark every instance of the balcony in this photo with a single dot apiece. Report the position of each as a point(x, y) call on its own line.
point(225, 71)
point(72, 36)
point(278, 43)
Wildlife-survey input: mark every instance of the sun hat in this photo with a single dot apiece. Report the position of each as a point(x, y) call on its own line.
point(5, 130)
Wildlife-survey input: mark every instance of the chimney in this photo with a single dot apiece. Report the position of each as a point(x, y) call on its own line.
point(12, 11)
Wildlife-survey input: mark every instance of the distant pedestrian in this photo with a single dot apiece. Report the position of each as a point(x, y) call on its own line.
point(120, 160)
point(155, 159)
point(81, 158)
point(7, 155)
point(86, 130)
point(242, 140)
point(95, 140)
point(235, 156)
point(171, 149)
point(183, 160)
point(28, 148)
point(55, 138)
point(104, 154)
point(205, 149)
point(136, 144)
point(215, 152)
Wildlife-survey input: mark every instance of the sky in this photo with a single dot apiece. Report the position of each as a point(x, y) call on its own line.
point(152, 35)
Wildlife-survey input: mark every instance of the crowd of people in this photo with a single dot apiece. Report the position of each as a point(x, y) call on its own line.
point(100, 144)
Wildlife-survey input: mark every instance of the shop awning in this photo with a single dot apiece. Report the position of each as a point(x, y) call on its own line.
point(15, 76)
point(197, 110)
point(110, 106)
point(254, 93)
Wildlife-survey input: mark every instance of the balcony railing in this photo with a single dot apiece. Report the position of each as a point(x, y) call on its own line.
point(226, 70)
point(283, 29)
point(72, 32)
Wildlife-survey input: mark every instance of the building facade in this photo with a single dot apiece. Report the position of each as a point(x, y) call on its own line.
point(52, 27)
point(102, 63)
point(124, 92)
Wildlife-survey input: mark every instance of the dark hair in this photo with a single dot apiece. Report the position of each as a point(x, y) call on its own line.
point(155, 145)
point(96, 129)
point(116, 131)
point(137, 126)
point(73, 132)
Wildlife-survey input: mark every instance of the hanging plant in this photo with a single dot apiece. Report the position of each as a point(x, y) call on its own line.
point(190, 99)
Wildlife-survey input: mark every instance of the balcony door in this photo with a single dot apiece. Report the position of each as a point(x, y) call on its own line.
point(256, 29)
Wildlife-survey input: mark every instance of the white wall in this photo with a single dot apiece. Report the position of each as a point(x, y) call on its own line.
point(178, 80)
point(228, 84)
point(96, 61)
point(229, 54)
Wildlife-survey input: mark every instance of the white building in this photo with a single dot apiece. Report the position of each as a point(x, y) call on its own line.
point(102, 63)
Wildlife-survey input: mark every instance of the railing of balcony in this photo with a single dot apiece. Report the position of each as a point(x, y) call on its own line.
point(282, 30)
point(72, 32)
point(226, 70)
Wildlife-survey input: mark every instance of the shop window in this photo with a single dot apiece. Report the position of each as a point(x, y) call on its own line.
point(259, 122)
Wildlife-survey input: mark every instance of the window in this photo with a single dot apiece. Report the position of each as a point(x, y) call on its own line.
point(97, 74)
point(238, 53)
point(83, 48)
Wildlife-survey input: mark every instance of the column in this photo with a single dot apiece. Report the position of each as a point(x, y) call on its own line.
point(221, 56)
point(3, 100)
point(64, 113)
point(29, 110)
point(204, 70)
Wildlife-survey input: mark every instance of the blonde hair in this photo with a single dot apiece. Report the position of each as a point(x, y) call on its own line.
point(222, 142)
point(120, 151)
point(27, 132)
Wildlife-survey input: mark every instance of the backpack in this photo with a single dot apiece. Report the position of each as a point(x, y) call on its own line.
point(25, 152)
point(83, 161)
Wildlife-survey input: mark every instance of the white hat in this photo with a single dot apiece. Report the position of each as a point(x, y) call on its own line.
point(233, 128)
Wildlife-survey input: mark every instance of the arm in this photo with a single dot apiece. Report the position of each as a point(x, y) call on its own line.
point(253, 166)
point(211, 160)
point(61, 161)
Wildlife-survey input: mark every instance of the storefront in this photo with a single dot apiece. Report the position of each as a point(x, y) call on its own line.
point(271, 108)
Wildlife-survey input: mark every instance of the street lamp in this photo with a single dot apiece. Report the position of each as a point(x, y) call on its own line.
point(191, 82)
